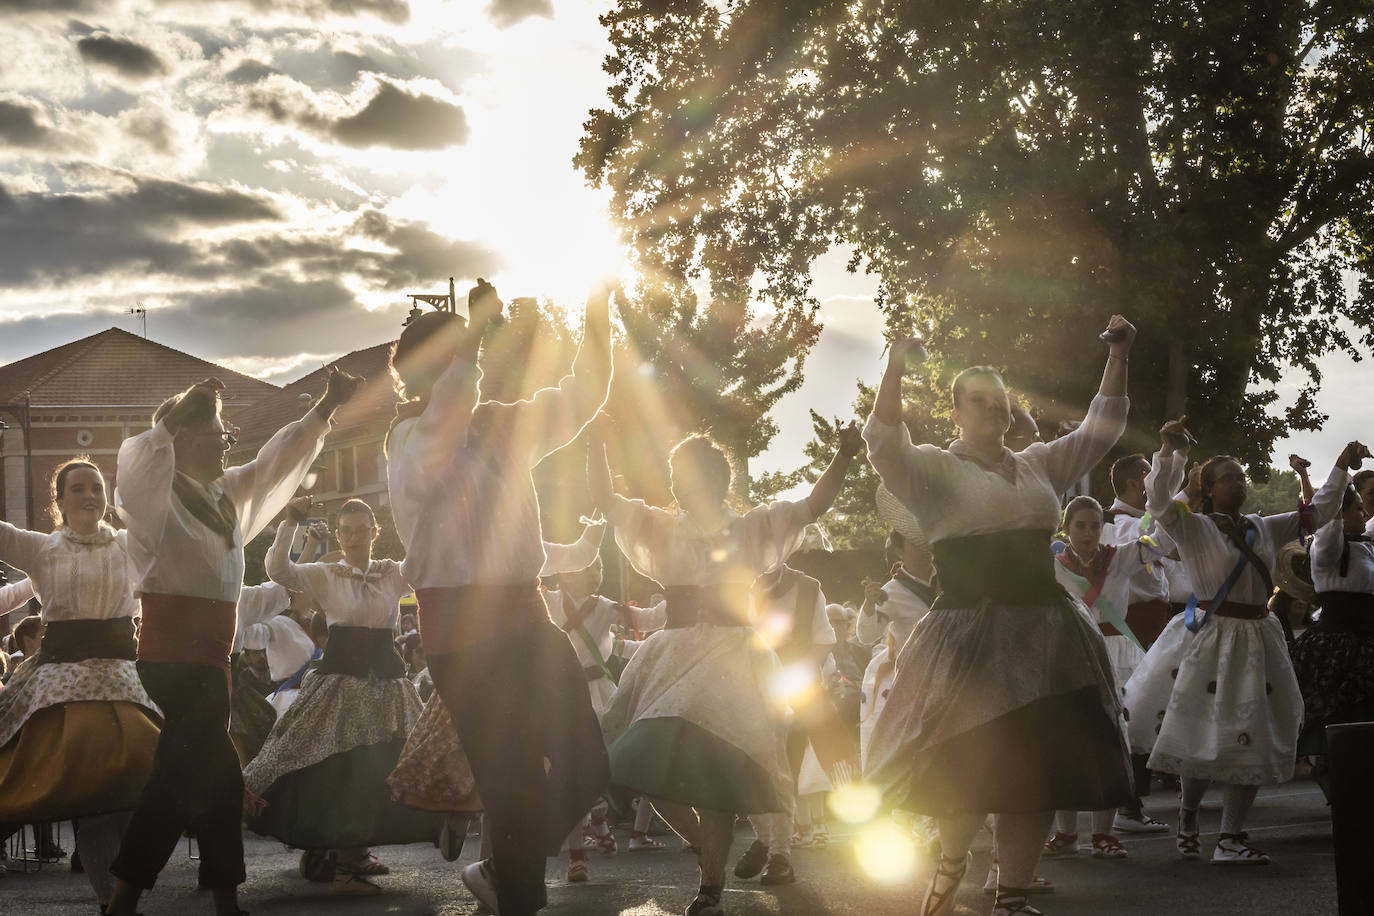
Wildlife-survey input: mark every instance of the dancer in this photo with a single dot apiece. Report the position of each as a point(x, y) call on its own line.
point(696, 720)
point(1215, 698)
point(1100, 575)
point(1334, 658)
point(789, 612)
point(1003, 700)
point(188, 519)
point(321, 775)
point(77, 729)
point(466, 510)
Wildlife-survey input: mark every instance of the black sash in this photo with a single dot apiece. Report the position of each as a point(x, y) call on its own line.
point(220, 517)
point(713, 605)
point(362, 652)
point(79, 640)
point(1345, 612)
point(926, 591)
point(1012, 567)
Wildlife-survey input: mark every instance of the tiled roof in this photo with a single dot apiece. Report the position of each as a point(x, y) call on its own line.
point(375, 404)
point(115, 367)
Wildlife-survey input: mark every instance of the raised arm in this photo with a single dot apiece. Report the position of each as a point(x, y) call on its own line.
point(554, 417)
point(871, 626)
point(302, 577)
point(828, 486)
point(566, 558)
point(1071, 456)
point(1326, 502)
point(143, 491)
point(261, 488)
point(1164, 479)
point(15, 595)
point(19, 547)
point(1327, 545)
point(890, 450)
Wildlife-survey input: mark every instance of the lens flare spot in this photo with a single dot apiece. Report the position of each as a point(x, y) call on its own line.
point(793, 683)
point(886, 853)
point(719, 555)
point(775, 627)
point(856, 803)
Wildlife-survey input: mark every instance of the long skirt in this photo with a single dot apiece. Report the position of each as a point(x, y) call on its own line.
point(76, 740)
point(877, 685)
point(433, 773)
point(1002, 709)
point(698, 719)
point(320, 779)
point(1335, 674)
point(1220, 704)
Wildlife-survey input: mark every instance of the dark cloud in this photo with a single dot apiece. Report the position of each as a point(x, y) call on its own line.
point(126, 57)
point(393, 117)
point(508, 12)
point(63, 236)
point(393, 11)
point(249, 71)
point(48, 6)
point(154, 130)
point(397, 118)
point(20, 126)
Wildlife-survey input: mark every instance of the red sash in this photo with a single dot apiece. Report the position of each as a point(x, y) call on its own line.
point(179, 628)
point(470, 615)
point(1096, 574)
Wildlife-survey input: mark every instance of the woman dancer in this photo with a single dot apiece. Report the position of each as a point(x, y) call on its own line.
point(694, 721)
point(1334, 658)
point(77, 729)
point(1003, 700)
point(1100, 576)
point(1215, 698)
point(321, 774)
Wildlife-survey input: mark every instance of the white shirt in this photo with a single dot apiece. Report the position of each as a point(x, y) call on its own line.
point(953, 496)
point(1148, 582)
point(349, 597)
point(287, 645)
point(174, 553)
point(895, 617)
point(15, 595)
point(258, 604)
point(1116, 588)
point(1326, 561)
point(466, 510)
point(775, 616)
point(76, 577)
point(1208, 554)
point(597, 624)
point(672, 550)
point(574, 557)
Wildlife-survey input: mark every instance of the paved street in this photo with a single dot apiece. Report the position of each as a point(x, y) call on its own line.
point(1290, 822)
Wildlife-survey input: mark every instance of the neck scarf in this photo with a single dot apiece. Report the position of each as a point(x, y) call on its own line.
point(220, 517)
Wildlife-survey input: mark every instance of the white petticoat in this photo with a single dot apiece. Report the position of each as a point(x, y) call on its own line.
point(1222, 704)
point(873, 697)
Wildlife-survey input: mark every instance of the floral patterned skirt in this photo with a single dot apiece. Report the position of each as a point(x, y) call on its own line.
point(433, 772)
point(1335, 673)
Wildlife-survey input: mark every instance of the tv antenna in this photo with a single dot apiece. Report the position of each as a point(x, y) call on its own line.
point(141, 313)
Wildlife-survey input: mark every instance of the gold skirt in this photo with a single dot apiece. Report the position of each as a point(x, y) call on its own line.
point(77, 760)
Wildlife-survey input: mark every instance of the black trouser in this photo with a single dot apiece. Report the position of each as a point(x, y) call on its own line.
point(195, 783)
point(516, 702)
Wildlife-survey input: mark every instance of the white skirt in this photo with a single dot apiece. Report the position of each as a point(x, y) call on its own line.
point(1125, 656)
point(877, 684)
point(1221, 704)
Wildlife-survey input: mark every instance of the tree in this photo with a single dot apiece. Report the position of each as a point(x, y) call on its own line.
point(1013, 172)
point(854, 523)
point(1277, 494)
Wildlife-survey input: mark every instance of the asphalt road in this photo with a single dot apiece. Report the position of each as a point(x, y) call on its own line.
point(1290, 822)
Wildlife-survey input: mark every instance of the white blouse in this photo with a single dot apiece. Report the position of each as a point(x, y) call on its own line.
point(173, 553)
point(1207, 553)
point(672, 550)
point(258, 604)
point(76, 577)
point(1116, 588)
point(597, 624)
point(953, 496)
point(574, 557)
point(895, 617)
point(15, 595)
point(1326, 561)
point(348, 596)
point(1148, 582)
point(465, 509)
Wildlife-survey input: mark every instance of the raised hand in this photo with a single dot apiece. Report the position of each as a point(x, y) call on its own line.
point(1299, 463)
point(206, 391)
point(1120, 334)
point(1353, 455)
point(484, 305)
point(339, 387)
point(908, 350)
point(851, 440)
point(298, 509)
point(1175, 435)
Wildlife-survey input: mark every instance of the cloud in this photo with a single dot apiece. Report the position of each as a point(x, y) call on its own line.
point(506, 13)
point(62, 236)
point(47, 6)
point(394, 116)
point(249, 71)
point(124, 56)
point(20, 126)
point(396, 12)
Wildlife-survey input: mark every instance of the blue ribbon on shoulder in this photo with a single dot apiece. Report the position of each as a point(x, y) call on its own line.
point(1190, 612)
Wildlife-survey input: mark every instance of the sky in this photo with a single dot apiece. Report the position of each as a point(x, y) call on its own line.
point(268, 178)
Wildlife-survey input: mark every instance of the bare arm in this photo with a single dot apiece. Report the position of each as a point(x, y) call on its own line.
point(823, 494)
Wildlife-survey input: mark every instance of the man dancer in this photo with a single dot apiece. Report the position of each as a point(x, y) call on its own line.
point(188, 519)
point(465, 507)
